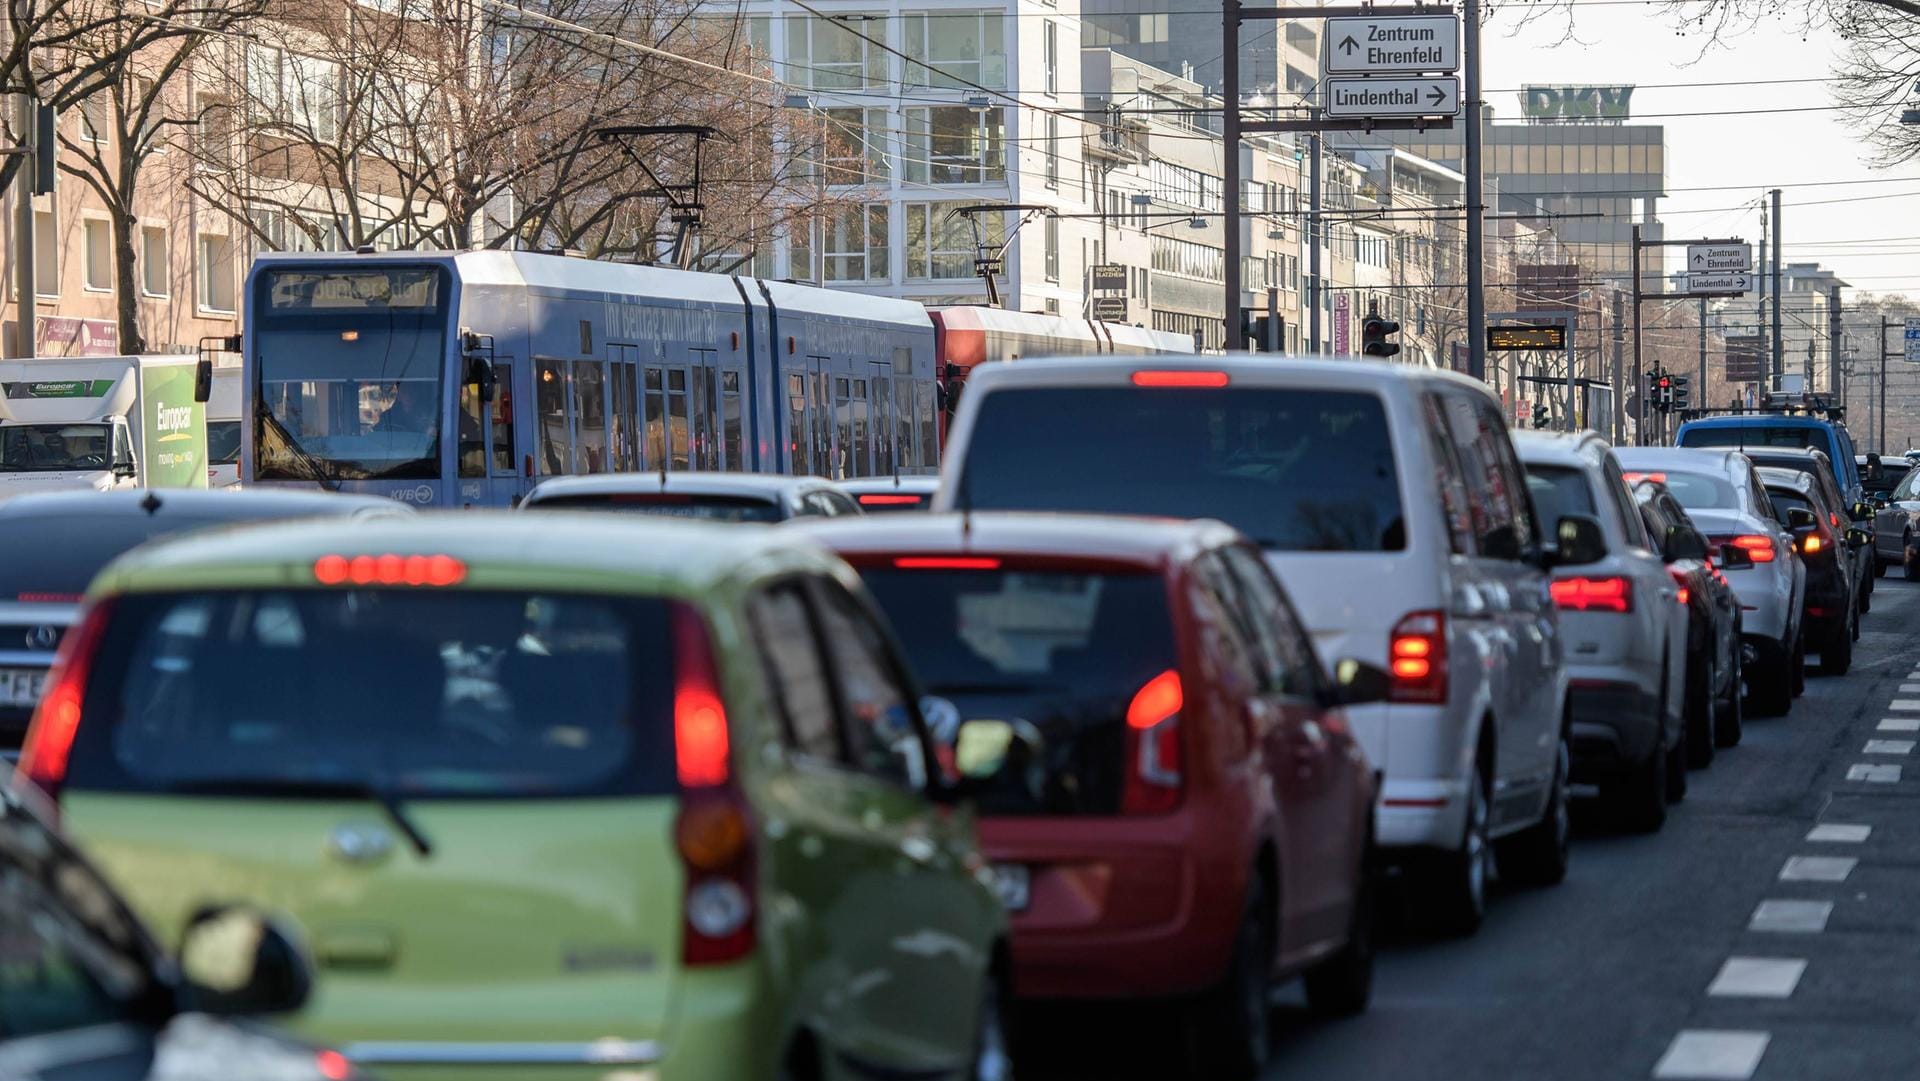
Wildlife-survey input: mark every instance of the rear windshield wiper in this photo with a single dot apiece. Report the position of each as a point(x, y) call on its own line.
point(314, 789)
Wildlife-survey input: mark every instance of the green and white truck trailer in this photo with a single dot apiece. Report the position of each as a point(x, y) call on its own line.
point(101, 423)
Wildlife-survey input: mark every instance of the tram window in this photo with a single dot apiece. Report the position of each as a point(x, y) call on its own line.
point(472, 449)
point(883, 426)
point(799, 444)
point(862, 463)
point(656, 422)
point(503, 417)
point(929, 431)
point(730, 442)
point(678, 443)
point(703, 404)
point(590, 415)
point(556, 457)
point(843, 418)
point(623, 407)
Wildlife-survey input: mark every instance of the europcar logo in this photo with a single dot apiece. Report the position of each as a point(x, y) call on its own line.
point(175, 421)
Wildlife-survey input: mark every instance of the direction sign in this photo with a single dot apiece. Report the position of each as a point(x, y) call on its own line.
point(1352, 98)
point(1913, 339)
point(1719, 283)
point(1109, 276)
point(1719, 259)
point(1385, 44)
point(1110, 309)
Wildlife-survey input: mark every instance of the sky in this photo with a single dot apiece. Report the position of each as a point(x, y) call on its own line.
point(1813, 156)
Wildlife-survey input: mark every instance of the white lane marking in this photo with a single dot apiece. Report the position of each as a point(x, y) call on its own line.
point(1900, 724)
point(1888, 746)
point(1710, 1055)
point(1817, 868)
point(1791, 917)
point(1908, 705)
point(1839, 833)
point(1757, 977)
point(1863, 771)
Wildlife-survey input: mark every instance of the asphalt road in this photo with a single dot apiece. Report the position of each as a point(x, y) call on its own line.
point(1645, 962)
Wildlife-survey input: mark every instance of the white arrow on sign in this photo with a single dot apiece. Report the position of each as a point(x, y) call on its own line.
point(1719, 283)
point(1380, 45)
point(1351, 98)
point(1719, 258)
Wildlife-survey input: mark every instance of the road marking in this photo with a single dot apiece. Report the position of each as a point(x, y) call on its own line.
point(1910, 688)
point(1757, 977)
point(1888, 746)
point(1863, 771)
point(1817, 868)
point(1839, 833)
point(1900, 724)
point(1791, 917)
point(1708, 1055)
point(1908, 705)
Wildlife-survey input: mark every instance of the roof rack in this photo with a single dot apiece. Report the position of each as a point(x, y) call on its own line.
point(1777, 404)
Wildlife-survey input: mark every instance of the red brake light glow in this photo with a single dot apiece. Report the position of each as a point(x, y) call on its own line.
point(700, 742)
point(1635, 478)
point(49, 743)
point(1759, 547)
point(1179, 379)
point(1417, 658)
point(947, 563)
point(884, 499)
point(1159, 699)
point(47, 598)
point(389, 570)
point(1593, 594)
point(333, 1065)
point(1812, 543)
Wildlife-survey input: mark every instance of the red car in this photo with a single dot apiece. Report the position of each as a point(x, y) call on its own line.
point(1186, 812)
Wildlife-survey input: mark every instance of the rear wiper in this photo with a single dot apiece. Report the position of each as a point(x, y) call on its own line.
point(294, 787)
point(314, 466)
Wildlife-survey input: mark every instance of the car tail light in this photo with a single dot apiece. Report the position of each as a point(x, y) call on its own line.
point(714, 832)
point(1812, 543)
point(1153, 749)
point(389, 570)
point(49, 742)
point(1685, 594)
point(1417, 658)
point(1755, 545)
point(947, 563)
point(1593, 594)
point(1635, 478)
point(884, 499)
point(1179, 379)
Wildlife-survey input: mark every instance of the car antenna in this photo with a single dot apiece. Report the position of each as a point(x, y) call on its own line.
point(151, 504)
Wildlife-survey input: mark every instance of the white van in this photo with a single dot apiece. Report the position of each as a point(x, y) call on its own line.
point(1390, 501)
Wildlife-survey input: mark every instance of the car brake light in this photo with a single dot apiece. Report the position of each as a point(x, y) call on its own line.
point(1635, 478)
point(881, 499)
point(1153, 746)
point(1759, 547)
point(714, 831)
point(389, 570)
point(1179, 379)
point(1417, 658)
point(49, 743)
point(1680, 579)
point(1812, 543)
point(1593, 594)
point(947, 563)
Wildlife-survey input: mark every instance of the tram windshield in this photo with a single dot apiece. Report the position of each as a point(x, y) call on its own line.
point(351, 364)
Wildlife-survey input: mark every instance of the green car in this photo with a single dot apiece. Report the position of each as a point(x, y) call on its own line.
point(550, 797)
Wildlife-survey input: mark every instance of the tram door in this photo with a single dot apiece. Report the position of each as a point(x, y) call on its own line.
point(489, 459)
point(886, 431)
point(669, 419)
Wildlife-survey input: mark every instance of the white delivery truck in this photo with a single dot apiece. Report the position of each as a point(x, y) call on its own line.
point(102, 423)
point(223, 429)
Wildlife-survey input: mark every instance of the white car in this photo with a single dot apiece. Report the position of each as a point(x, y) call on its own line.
point(1625, 631)
point(1389, 500)
point(1728, 503)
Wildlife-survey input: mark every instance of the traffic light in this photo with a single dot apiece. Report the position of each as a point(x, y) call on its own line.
point(1662, 391)
point(1679, 394)
point(1374, 333)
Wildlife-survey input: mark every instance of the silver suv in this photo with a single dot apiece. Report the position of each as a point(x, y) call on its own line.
point(1391, 503)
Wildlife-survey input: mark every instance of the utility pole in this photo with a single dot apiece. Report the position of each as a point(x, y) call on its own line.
point(1639, 388)
point(1313, 245)
point(1619, 383)
point(25, 325)
point(1230, 133)
point(1701, 381)
point(1886, 325)
point(1833, 340)
point(1476, 195)
point(1760, 307)
point(1779, 346)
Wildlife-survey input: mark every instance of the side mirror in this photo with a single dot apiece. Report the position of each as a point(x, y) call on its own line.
point(480, 376)
point(1799, 518)
point(203, 380)
point(1863, 512)
point(1580, 540)
point(1859, 538)
point(1734, 557)
point(124, 468)
point(1684, 543)
point(236, 960)
point(1357, 683)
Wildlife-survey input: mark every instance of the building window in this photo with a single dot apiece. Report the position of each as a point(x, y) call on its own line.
point(1185, 187)
point(940, 242)
point(96, 118)
point(1050, 56)
point(955, 48)
point(46, 253)
point(153, 260)
point(1186, 259)
point(954, 145)
point(1053, 151)
point(96, 237)
point(856, 146)
point(264, 79)
point(312, 89)
point(216, 273)
point(854, 244)
point(1053, 248)
point(214, 134)
point(835, 54)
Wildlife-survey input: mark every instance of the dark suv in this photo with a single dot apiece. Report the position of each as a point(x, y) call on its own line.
point(1830, 550)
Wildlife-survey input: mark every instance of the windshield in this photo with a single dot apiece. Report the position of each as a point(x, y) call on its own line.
point(1558, 492)
point(1064, 652)
point(44, 448)
point(350, 367)
point(1695, 491)
point(1297, 470)
point(1731, 436)
point(717, 508)
point(223, 441)
point(1886, 477)
point(412, 692)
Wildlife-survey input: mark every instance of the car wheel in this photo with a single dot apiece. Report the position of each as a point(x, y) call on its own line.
point(1729, 716)
point(1836, 654)
point(992, 1045)
point(1771, 686)
point(1538, 855)
point(1909, 566)
point(1342, 985)
point(1458, 885)
point(1640, 798)
point(1229, 1027)
point(1677, 770)
point(1700, 742)
point(1879, 567)
point(1800, 663)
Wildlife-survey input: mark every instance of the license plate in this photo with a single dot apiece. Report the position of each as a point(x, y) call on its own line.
point(22, 686)
point(1010, 881)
